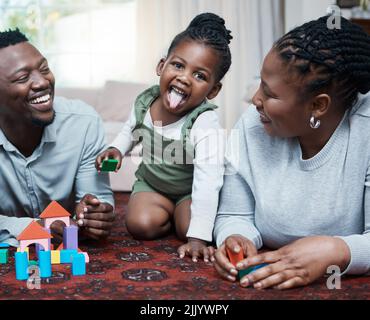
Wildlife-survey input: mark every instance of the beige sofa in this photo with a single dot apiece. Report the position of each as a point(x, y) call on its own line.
point(113, 102)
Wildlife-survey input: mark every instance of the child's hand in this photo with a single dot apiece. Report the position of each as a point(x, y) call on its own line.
point(196, 248)
point(234, 243)
point(110, 153)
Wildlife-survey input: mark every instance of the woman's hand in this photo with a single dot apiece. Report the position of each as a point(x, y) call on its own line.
point(234, 243)
point(196, 248)
point(296, 264)
point(110, 153)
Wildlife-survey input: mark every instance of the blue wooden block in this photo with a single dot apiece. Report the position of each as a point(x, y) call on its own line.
point(70, 238)
point(3, 256)
point(242, 273)
point(78, 265)
point(21, 265)
point(66, 255)
point(4, 245)
point(45, 263)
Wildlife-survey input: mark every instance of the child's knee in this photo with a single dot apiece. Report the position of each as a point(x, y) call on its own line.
point(142, 227)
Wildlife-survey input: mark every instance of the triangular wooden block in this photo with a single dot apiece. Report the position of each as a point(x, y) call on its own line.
point(54, 210)
point(34, 231)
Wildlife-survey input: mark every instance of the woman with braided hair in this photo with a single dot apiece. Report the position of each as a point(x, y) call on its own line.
point(300, 181)
point(179, 179)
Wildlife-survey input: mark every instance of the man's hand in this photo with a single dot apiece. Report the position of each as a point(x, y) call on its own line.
point(94, 217)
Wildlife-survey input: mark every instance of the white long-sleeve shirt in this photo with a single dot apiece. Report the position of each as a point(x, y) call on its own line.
point(208, 140)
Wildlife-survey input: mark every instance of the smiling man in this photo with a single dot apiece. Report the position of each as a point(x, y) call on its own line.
point(47, 147)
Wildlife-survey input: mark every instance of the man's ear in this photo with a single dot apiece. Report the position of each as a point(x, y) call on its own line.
point(215, 90)
point(160, 66)
point(320, 105)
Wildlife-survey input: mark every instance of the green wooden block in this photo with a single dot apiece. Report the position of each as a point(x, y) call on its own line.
point(32, 263)
point(109, 165)
point(242, 273)
point(3, 256)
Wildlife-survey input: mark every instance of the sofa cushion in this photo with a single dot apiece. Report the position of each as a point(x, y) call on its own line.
point(87, 95)
point(117, 99)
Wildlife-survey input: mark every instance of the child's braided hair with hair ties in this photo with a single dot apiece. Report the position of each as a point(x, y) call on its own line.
point(209, 29)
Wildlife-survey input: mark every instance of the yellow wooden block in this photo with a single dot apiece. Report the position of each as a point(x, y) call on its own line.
point(55, 257)
point(25, 250)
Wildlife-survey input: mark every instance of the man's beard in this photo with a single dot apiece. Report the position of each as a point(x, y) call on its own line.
point(43, 123)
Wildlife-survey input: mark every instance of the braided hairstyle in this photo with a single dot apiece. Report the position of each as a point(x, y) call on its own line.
point(209, 29)
point(337, 59)
point(11, 37)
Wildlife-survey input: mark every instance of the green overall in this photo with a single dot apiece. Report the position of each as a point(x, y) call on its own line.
point(167, 166)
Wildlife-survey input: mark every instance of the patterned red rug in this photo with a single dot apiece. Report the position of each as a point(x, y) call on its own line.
point(124, 268)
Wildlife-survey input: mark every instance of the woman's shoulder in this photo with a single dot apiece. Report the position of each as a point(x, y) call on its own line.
point(250, 119)
point(362, 106)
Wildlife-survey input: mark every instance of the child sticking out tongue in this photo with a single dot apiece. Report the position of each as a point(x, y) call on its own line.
point(175, 99)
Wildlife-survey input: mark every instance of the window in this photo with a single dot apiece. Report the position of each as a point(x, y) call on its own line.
point(85, 41)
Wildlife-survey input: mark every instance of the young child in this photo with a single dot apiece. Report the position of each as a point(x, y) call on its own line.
point(182, 170)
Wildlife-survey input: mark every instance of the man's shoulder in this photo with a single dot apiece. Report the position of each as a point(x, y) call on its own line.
point(73, 107)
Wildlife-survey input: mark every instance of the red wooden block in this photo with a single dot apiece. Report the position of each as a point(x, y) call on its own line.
point(235, 257)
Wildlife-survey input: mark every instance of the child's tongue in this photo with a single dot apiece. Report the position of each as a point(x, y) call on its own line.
point(175, 99)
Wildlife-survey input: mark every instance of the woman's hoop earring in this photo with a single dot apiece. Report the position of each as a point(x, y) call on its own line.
point(313, 124)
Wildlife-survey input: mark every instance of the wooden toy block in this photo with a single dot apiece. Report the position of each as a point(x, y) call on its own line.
point(109, 165)
point(235, 257)
point(55, 257)
point(37, 250)
point(3, 256)
point(21, 265)
point(78, 264)
point(54, 210)
point(242, 273)
point(27, 250)
point(70, 238)
point(66, 255)
point(34, 232)
point(87, 258)
point(45, 263)
point(4, 245)
point(32, 263)
point(67, 252)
